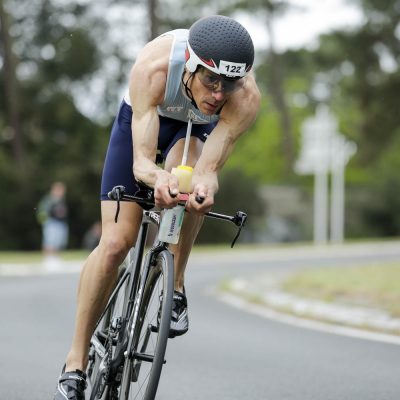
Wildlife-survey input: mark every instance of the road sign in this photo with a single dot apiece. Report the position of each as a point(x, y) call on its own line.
point(325, 150)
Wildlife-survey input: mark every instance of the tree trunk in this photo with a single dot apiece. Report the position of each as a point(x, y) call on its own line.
point(10, 89)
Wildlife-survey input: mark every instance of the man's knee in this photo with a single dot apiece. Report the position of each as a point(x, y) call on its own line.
point(113, 249)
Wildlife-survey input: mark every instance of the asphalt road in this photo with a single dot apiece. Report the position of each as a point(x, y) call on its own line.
point(227, 354)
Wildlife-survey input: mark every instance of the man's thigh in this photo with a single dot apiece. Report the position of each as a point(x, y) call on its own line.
point(126, 228)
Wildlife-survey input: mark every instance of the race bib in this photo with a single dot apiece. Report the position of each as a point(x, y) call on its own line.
point(232, 69)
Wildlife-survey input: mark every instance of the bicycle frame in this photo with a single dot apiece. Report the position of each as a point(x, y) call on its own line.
point(122, 327)
point(139, 267)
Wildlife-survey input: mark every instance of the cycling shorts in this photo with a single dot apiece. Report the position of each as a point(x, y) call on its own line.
point(119, 159)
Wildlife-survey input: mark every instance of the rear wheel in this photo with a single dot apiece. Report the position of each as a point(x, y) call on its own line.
point(146, 354)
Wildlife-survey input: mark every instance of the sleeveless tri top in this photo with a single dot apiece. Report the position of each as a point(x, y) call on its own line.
point(176, 104)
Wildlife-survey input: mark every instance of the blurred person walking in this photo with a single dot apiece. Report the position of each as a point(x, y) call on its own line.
point(53, 216)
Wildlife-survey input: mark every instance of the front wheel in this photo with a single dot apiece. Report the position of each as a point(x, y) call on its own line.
point(142, 370)
point(102, 347)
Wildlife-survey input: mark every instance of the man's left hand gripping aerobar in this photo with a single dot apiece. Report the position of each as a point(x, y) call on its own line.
point(204, 187)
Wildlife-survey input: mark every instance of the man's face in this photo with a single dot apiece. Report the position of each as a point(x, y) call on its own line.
point(210, 91)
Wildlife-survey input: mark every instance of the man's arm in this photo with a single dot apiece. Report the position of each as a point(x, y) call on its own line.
point(146, 90)
point(237, 115)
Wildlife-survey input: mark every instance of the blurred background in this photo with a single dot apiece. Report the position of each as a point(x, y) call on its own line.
point(63, 72)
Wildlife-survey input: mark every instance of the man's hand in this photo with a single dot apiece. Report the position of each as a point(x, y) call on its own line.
point(166, 190)
point(202, 198)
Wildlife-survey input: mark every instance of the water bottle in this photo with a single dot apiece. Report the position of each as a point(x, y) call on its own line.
point(172, 219)
point(171, 224)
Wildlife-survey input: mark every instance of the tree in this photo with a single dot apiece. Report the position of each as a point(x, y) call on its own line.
point(47, 41)
point(273, 72)
point(11, 90)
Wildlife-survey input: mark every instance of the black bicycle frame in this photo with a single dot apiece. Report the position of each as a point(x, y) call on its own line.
point(140, 269)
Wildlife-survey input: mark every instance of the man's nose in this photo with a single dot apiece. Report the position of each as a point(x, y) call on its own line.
point(219, 95)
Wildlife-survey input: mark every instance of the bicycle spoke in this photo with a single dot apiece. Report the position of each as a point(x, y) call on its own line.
point(103, 339)
point(152, 334)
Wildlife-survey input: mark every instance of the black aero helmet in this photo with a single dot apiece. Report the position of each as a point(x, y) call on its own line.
point(221, 45)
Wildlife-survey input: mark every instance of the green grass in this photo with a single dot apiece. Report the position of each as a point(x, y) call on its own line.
point(7, 257)
point(372, 286)
point(17, 257)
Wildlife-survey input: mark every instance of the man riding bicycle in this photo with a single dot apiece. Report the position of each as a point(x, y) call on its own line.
point(201, 74)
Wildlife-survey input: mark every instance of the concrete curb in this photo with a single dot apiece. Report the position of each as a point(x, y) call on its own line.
point(269, 313)
point(263, 293)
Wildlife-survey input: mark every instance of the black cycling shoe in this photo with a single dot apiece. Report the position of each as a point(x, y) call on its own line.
point(71, 386)
point(179, 318)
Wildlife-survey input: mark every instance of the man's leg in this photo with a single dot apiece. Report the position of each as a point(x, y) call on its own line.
point(99, 275)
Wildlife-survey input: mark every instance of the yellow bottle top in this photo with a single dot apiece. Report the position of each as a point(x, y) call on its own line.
point(185, 167)
point(184, 174)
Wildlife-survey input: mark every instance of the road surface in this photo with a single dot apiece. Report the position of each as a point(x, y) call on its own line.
point(227, 354)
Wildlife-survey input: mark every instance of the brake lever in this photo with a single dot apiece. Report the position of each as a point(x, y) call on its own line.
point(116, 194)
point(239, 220)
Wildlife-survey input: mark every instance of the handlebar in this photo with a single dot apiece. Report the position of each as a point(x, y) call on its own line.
point(118, 194)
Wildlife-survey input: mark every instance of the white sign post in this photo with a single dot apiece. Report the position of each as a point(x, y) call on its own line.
point(342, 150)
point(325, 150)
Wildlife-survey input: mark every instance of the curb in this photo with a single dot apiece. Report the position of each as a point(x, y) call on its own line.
point(263, 294)
point(265, 312)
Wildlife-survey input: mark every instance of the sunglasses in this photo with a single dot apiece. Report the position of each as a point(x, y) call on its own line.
point(217, 83)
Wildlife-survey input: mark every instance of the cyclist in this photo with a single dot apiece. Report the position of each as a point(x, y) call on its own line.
point(202, 74)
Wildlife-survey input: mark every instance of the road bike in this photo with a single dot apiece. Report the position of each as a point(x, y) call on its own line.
point(127, 349)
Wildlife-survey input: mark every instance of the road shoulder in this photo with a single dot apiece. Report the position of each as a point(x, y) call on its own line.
point(261, 295)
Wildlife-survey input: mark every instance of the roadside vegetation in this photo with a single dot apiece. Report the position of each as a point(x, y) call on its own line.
point(376, 285)
point(26, 257)
point(49, 131)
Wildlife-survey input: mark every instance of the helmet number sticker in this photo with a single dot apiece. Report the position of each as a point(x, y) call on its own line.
point(232, 69)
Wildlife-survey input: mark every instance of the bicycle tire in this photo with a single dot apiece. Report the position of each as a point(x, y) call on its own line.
point(150, 335)
point(96, 376)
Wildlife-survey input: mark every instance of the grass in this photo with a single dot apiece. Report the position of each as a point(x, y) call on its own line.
point(375, 285)
point(11, 257)
point(70, 255)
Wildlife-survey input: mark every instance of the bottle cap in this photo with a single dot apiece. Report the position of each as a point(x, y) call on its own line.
point(185, 167)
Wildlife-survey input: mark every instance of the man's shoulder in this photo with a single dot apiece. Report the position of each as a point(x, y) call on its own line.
point(242, 108)
point(247, 98)
point(177, 34)
point(153, 59)
point(159, 49)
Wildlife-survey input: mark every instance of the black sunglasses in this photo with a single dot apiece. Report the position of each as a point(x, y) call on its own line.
point(218, 83)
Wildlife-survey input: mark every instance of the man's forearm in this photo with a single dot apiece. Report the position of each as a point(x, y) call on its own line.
point(145, 129)
point(146, 171)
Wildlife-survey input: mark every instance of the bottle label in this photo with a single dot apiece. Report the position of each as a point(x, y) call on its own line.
point(171, 225)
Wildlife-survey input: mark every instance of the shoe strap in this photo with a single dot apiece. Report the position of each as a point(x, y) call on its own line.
point(74, 379)
point(180, 297)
